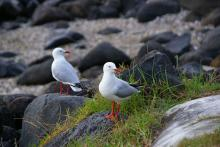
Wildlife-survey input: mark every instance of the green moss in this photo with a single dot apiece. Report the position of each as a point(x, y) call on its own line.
point(144, 111)
point(207, 140)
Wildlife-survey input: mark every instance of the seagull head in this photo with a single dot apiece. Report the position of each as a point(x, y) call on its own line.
point(59, 52)
point(110, 67)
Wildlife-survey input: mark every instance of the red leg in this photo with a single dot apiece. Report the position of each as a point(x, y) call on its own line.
point(118, 110)
point(67, 89)
point(112, 114)
point(61, 88)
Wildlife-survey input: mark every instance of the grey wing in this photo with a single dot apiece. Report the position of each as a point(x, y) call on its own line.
point(124, 90)
point(64, 72)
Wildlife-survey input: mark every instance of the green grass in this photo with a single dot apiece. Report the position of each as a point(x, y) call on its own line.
point(207, 140)
point(144, 113)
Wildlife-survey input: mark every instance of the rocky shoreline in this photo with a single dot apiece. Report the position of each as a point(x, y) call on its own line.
point(166, 39)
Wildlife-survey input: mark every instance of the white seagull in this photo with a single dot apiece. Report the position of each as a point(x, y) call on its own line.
point(114, 88)
point(63, 71)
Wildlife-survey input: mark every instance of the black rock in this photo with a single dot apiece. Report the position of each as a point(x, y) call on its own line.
point(6, 117)
point(128, 5)
point(102, 53)
point(64, 38)
point(10, 9)
point(110, 9)
point(109, 30)
point(92, 72)
point(195, 56)
point(201, 7)
point(76, 8)
point(163, 37)
point(179, 45)
point(7, 54)
point(29, 7)
point(9, 143)
point(92, 126)
point(10, 68)
point(154, 66)
point(37, 74)
point(211, 43)
point(153, 9)
point(8, 133)
point(191, 69)
point(45, 14)
point(212, 18)
point(153, 45)
point(18, 106)
point(45, 112)
point(12, 107)
point(41, 60)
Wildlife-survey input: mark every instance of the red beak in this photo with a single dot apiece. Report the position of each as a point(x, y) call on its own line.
point(67, 51)
point(118, 70)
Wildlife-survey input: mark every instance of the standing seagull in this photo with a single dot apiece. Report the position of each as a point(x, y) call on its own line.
point(63, 71)
point(114, 89)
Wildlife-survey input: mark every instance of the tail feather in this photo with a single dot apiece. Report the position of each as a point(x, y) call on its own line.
point(137, 86)
point(76, 87)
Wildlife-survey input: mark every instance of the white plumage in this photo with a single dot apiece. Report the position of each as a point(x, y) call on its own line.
point(63, 71)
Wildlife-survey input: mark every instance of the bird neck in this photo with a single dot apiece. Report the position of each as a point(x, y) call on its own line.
point(109, 75)
point(59, 58)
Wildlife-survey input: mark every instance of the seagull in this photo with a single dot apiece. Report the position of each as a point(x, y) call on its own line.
point(114, 88)
point(63, 71)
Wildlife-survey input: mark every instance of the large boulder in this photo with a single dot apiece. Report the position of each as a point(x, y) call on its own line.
point(11, 68)
point(163, 37)
point(150, 46)
point(130, 7)
point(63, 38)
point(153, 9)
point(102, 53)
point(76, 8)
point(154, 66)
point(211, 43)
point(10, 9)
point(110, 9)
point(37, 74)
point(45, 14)
point(179, 45)
point(210, 48)
point(195, 56)
point(190, 119)
point(91, 126)
point(29, 6)
point(201, 7)
point(12, 107)
point(8, 136)
point(191, 69)
point(42, 115)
